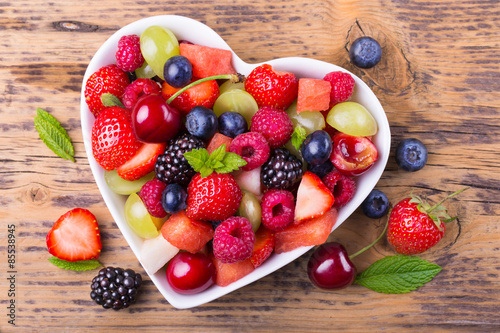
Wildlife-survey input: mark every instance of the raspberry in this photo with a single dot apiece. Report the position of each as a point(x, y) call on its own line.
point(252, 147)
point(278, 209)
point(233, 240)
point(150, 194)
point(342, 187)
point(139, 88)
point(275, 125)
point(342, 86)
point(129, 56)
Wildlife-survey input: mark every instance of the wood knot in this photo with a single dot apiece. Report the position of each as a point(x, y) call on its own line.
point(74, 26)
point(38, 195)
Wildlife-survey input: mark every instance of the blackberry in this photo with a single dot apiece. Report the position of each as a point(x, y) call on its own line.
point(281, 170)
point(172, 166)
point(115, 288)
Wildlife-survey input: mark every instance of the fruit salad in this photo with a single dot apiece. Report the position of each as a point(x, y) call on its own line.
point(220, 170)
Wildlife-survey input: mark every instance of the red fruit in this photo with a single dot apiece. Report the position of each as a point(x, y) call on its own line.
point(353, 155)
point(329, 267)
point(229, 273)
point(190, 273)
point(275, 125)
point(278, 209)
point(142, 163)
point(213, 198)
point(137, 89)
point(233, 240)
point(218, 140)
point(75, 236)
point(207, 61)
point(312, 232)
point(342, 87)
point(264, 246)
point(150, 195)
point(204, 94)
point(108, 79)
point(314, 95)
point(252, 147)
point(129, 56)
point(113, 140)
point(313, 198)
point(185, 233)
point(343, 187)
point(272, 88)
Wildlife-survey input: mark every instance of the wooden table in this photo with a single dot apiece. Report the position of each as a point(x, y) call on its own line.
point(439, 81)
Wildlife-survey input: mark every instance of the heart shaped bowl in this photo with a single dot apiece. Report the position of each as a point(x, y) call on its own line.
point(188, 29)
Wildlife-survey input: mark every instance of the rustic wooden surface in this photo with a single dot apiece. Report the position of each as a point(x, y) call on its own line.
point(439, 80)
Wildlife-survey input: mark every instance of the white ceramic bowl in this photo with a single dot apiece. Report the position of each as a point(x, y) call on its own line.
point(188, 29)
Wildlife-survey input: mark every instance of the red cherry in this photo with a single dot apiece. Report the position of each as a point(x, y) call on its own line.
point(329, 267)
point(153, 120)
point(353, 155)
point(189, 273)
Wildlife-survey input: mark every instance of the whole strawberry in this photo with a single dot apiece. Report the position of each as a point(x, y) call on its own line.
point(415, 226)
point(272, 88)
point(108, 79)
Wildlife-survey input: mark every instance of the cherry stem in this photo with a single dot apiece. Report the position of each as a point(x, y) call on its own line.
point(448, 197)
point(372, 244)
point(235, 78)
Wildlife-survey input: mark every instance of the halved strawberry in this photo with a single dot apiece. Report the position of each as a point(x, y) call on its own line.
point(75, 236)
point(142, 163)
point(204, 93)
point(313, 198)
point(263, 247)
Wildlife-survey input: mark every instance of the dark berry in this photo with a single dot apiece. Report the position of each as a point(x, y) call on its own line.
point(281, 170)
point(178, 71)
point(112, 287)
point(375, 205)
point(317, 147)
point(252, 147)
point(321, 169)
point(202, 122)
point(411, 155)
point(365, 52)
point(174, 198)
point(232, 124)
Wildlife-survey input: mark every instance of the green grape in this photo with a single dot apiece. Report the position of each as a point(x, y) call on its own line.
point(145, 72)
point(229, 85)
point(310, 120)
point(353, 119)
point(158, 44)
point(236, 100)
point(138, 218)
point(121, 186)
point(250, 208)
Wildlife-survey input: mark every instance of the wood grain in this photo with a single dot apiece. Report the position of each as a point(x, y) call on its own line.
point(439, 80)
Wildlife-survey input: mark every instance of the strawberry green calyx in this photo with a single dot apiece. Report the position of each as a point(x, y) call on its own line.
point(219, 161)
point(108, 99)
point(439, 212)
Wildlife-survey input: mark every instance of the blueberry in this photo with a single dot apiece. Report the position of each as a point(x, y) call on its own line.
point(322, 169)
point(375, 205)
point(411, 154)
point(232, 124)
point(201, 122)
point(317, 147)
point(173, 198)
point(365, 52)
point(178, 71)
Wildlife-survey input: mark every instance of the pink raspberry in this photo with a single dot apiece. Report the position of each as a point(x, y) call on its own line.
point(233, 240)
point(139, 88)
point(274, 124)
point(150, 194)
point(278, 209)
point(252, 147)
point(129, 56)
point(342, 87)
point(343, 187)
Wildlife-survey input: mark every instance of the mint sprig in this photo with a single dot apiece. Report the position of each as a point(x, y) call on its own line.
point(79, 266)
point(54, 135)
point(218, 161)
point(397, 274)
point(299, 134)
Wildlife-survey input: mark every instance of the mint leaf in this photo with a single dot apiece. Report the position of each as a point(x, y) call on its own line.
point(397, 274)
point(53, 135)
point(79, 266)
point(232, 162)
point(109, 99)
point(219, 161)
point(197, 158)
point(219, 153)
point(298, 136)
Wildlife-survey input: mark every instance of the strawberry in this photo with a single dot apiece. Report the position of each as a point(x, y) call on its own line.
point(213, 198)
point(263, 247)
point(313, 198)
point(415, 226)
point(272, 88)
point(204, 93)
point(108, 79)
point(142, 163)
point(75, 236)
point(113, 139)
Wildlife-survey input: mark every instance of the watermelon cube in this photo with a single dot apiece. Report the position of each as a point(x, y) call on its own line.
point(229, 273)
point(218, 140)
point(207, 61)
point(314, 95)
